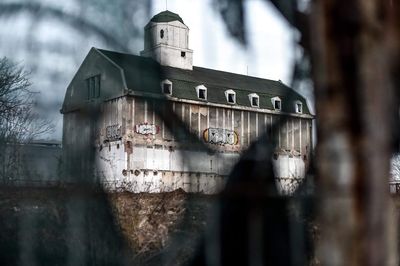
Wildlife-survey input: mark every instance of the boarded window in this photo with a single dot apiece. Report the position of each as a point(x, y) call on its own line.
point(93, 87)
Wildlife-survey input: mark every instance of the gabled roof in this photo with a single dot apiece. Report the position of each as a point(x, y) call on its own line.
point(139, 69)
point(166, 16)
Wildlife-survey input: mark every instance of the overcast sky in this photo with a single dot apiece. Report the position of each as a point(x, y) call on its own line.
point(270, 51)
point(52, 46)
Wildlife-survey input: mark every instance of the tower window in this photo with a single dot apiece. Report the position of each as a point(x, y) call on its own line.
point(299, 107)
point(277, 103)
point(201, 92)
point(183, 54)
point(254, 100)
point(230, 96)
point(166, 87)
point(161, 34)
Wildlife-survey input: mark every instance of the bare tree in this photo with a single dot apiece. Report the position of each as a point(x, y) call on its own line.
point(19, 123)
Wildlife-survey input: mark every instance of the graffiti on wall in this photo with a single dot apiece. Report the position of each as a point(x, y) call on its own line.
point(146, 129)
point(220, 136)
point(113, 133)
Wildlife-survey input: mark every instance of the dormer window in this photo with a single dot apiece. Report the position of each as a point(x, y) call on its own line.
point(277, 103)
point(254, 100)
point(299, 107)
point(166, 87)
point(230, 96)
point(201, 92)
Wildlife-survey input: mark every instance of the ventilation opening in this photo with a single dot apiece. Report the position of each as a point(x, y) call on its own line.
point(183, 54)
point(161, 34)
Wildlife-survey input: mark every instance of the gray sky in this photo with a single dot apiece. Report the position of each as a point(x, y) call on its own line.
point(270, 51)
point(52, 46)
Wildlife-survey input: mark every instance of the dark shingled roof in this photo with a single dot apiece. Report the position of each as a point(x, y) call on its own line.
point(166, 16)
point(138, 70)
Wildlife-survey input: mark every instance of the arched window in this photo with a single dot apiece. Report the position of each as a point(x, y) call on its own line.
point(161, 34)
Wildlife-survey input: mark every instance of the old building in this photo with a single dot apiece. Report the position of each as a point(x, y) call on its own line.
point(112, 127)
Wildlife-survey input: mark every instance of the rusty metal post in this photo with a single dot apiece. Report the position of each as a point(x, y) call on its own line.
point(353, 103)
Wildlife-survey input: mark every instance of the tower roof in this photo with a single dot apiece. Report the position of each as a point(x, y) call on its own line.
point(166, 16)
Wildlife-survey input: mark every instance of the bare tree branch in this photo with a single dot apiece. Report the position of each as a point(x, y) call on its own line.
point(19, 123)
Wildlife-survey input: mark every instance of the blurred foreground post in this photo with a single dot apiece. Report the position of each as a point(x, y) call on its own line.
point(351, 52)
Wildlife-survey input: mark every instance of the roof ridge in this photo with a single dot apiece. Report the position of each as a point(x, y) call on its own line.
point(198, 67)
point(237, 74)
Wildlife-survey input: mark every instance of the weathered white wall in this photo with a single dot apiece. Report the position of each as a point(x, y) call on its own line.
point(153, 160)
point(290, 170)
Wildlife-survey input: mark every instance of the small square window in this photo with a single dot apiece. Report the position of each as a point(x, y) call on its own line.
point(202, 94)
point(231, 98)
point(277, 105)
point(299, 108)
point(201, 91)
point(183, 54)
point(254, 102)
point(167, 88)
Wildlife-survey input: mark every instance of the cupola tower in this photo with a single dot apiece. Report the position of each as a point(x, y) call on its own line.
point(166, 40)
